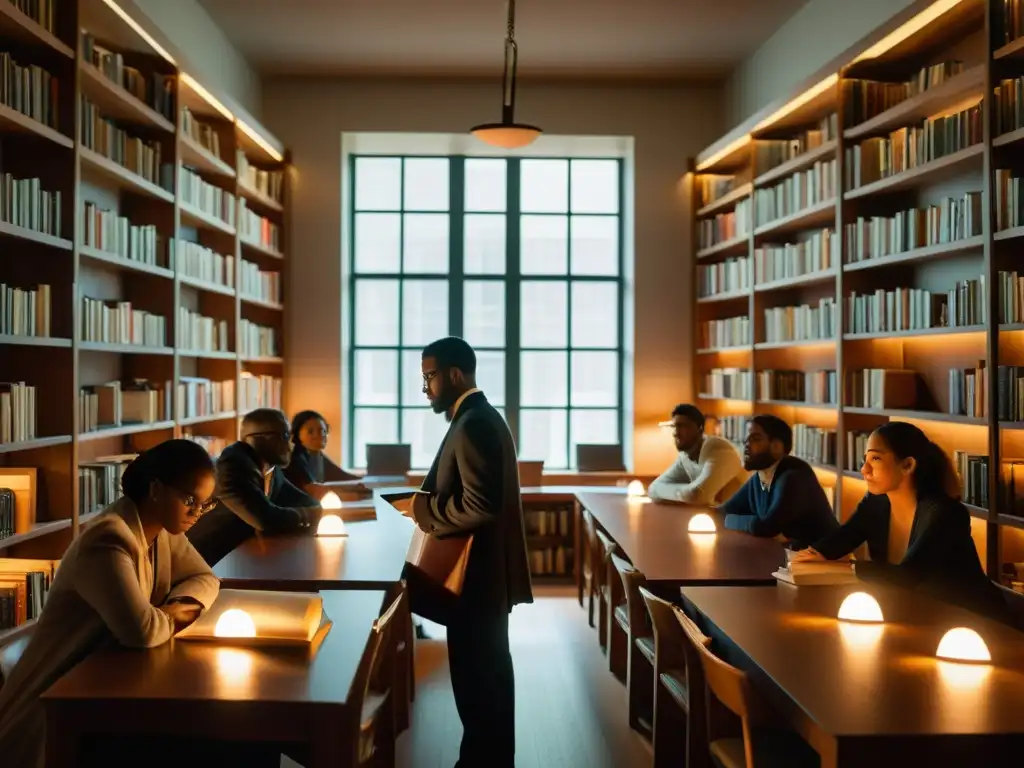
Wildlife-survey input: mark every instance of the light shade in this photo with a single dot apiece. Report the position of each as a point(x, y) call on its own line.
point(962, 644)
point(235, 622)
point(330, 501)
point(506, 135)
point(701, 523)
point(635, 489)
point(331, 525)
point(860, 607)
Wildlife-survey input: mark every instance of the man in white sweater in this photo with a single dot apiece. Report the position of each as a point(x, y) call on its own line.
point(708, 470)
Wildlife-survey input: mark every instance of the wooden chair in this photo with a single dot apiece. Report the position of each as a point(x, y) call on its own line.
point(763, 744)
point(631, 620)
point(680, 723)
point(405, 660)
point(591, 547)
point(603, 580)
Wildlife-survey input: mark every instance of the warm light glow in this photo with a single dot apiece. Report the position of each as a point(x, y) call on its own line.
point(723, 153)
point(330, 501)
point(912, 26)
point(861, 636)
point(260, 141)
point(506, 136)
point(962, 644)
point(235, 622)
point(139, 30)
point(701, 523)
point(205, 95)
point(795, 103)
point(331, 525)
point(860, 607)
point(635, 489)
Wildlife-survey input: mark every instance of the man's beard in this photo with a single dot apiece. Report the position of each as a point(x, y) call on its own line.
point(758, 461)
point(443, 403)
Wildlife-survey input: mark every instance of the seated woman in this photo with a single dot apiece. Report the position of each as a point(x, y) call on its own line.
point(309, 469)
point(131, 577)
point(917, 531)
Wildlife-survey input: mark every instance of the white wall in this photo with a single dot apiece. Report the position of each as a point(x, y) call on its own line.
point(191, 29)
point(816, 34)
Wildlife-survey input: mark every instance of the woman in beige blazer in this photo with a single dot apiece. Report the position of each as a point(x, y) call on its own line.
point(131, 577)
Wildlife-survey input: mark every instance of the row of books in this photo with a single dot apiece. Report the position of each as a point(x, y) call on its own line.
point(206, 197)
point(24, 585)
point(258, 392)
point(154, 89)
point(30, 90)
point(1012, 12)
point(118, 322)
point(17, 412)
point(256, 283)
point(712, 187)
point(811, 255)
point(548, 522)
point(258, 230)
point(771, 153)
point(25, 311)
point(197, 261)
point(972, 471)
point(732, 427)
point(725, 226)
point(199, 333)
point(910, 147)
point(796, 193)
point(728, 332)
point(268, 183)
point(99, 483)
point(142, 157)
point(256, 340)
point(726, 276)
point(1009, 205)
point(1010, 395)
point(877, 236)
point(815, 444)
point(968, 391)
point(115, 234)
point(727, 382)
point(1008, 105)
point(213, 445)
point(203, 134)
point(801, 323)
point(198, 397)
point(864, 99)
point(40, 11)
point(915, 309)
point(814, 387)
point(880, 388)
point(24, 203)
point(553, 561)
point(113, 404)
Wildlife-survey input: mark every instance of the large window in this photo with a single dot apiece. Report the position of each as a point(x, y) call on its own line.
point(523, 259)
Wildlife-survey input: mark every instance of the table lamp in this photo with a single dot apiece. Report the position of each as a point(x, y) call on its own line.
point(235, 622)
point(331, 525)
point(963, 645)
point(701, 523)
point(862, 608)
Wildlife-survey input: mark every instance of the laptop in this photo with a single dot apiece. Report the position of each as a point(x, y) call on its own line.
point(388, 459)
point(599, 458)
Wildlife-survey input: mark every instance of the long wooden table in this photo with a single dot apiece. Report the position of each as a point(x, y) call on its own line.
point(872, 695)
point(197, 689)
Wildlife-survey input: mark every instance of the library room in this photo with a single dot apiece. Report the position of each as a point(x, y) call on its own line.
point(481, 384)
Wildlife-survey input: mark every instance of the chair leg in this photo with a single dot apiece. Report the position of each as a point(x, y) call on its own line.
point(641, 691)
point(602, 622)
point(670, 738)
point(590, 603)
point(618, 649)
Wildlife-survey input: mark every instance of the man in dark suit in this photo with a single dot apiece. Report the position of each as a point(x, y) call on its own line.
point(473, 488)
point(253, 491)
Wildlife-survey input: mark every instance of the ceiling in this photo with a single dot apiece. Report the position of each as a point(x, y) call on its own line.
point(557, 38)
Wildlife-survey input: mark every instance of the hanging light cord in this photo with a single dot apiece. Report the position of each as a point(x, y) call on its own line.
point(511, 59)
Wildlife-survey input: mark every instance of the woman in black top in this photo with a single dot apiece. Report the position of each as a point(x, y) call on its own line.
point(908, 475)
point(309, 468)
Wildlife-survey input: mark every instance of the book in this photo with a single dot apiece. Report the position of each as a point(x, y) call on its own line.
point(251, 617)
point(817, 574)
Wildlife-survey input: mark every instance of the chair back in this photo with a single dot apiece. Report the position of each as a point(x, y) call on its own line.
point(591, 545)
point(605, 547)
point(374, 678)
point(600, 458)
point(632, 580)
point(11, 653)
point(669, 641)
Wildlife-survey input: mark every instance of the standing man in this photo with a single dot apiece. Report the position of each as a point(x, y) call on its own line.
point(253, 491)
point(473, 488)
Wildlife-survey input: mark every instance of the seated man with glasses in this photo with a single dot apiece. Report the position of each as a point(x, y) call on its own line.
point(254, 494)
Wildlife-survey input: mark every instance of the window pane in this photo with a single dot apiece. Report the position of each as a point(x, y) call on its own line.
point(425, 240)
point(595, 314)
point(483, 319)
point(594, 245)
point(378, 242)
point(424, 311)
point(544, 245)
point(592, 428)
point(373, 425)
point(376, 321)
point(411, 384)
point(544, 314)
point(485, 184)
point(595, 186)
point(423, 430)
point(426, 184)
point(378, 184)
point(595, 379)
point(542, 437)
point(544, 186)
point(544, 379)
point(490, 376)
point(484, 244)
point(376, 379)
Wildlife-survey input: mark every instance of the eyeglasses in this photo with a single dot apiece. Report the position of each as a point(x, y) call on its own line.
point(286, 435)
point(199, 507)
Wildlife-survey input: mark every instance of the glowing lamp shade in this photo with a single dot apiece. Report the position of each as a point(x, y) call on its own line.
point(635, 489)
point(701, 523)
point(862, 608)
point(506, 135)
point(962, 644)
point(331, 525)
point(330, 501)
point(235, 622)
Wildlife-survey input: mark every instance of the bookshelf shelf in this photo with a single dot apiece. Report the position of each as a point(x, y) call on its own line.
point(212, 354)
point(1011, 521)
point(915, 176)
point(1009, 234)
point(38, 530)
point(926, 253)
point(123, 430)
point(21, 233)
point(194, 155)
point(12, 121)
point(937, 416)
point(35, 341)
point(262, 303)
point(1014, 50)
point(1011, 137)
point(14, 25)
point(262, 250)
point(194, 420)
point(787, 344)
point(811, 278)
point(33, 445)
point(122, 177)
point(812, 216)
point(978, 512)
point(717, 350)
point(118, 262)
point(195, 217)
point(912, 334)
point(806, 160)
point(205, 285)
point(123, 349)
point(259, 200)
point(117, 103)
point(726, 201)
point(798, 404)
point(266, 360)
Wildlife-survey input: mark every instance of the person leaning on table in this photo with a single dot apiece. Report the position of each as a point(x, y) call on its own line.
point(131, 577)
point(309, 467)
point(917, 531)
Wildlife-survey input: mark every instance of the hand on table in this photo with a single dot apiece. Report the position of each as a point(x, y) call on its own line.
point(808, 555)
point(182, 614)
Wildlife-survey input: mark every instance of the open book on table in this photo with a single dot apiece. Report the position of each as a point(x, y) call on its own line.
point(817, 573)
point(252, 617)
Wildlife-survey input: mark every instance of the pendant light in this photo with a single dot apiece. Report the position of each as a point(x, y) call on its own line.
point(508, 134)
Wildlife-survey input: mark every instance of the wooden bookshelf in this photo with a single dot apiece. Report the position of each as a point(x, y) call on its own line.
point(78, 256)
point(984, 244)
